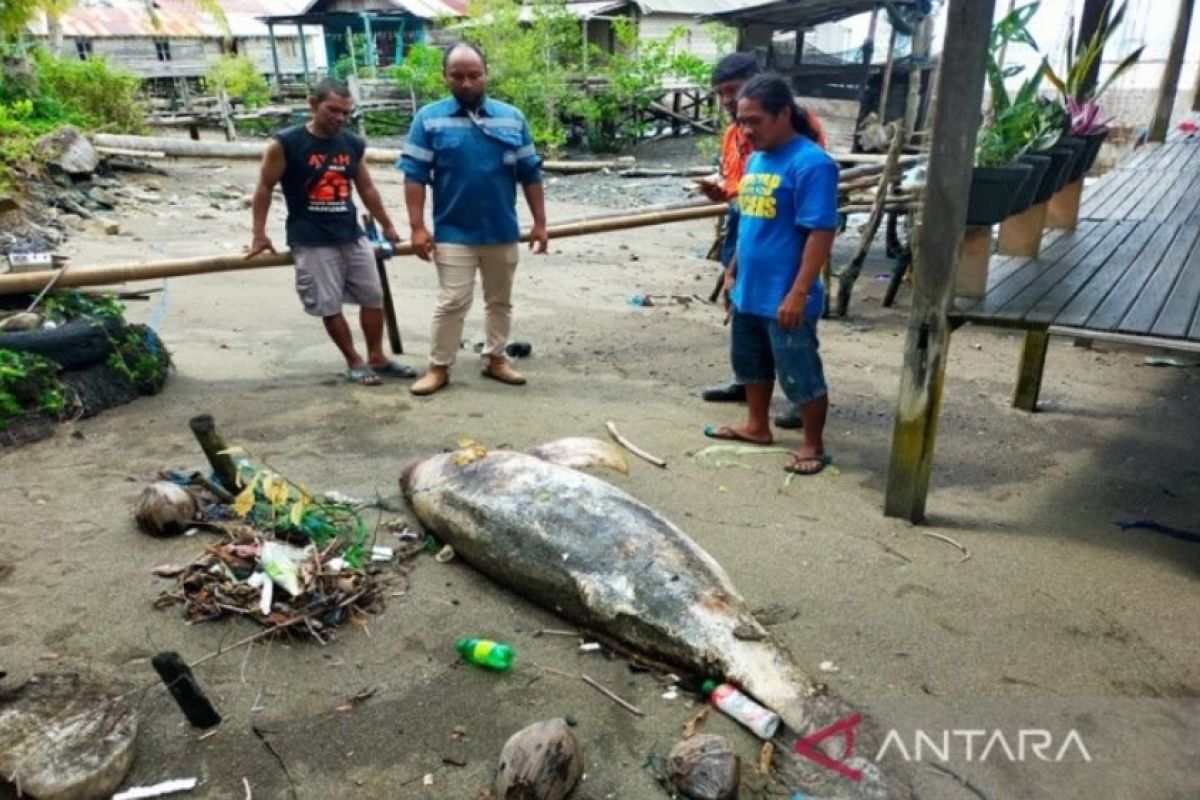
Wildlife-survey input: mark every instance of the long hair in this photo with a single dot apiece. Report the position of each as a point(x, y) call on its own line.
point(774, 95)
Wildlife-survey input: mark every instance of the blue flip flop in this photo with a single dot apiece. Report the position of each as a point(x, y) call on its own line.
point(726, 433)
point(363, 376)
point(394, 369)
point(822, 462)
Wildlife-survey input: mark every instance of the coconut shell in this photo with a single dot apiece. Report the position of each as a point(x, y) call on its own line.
point(541, 762)
point(165, 509)
point(62, 738)
point(704, 767)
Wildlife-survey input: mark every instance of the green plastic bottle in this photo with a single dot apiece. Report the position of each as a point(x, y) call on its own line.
point(486, 653)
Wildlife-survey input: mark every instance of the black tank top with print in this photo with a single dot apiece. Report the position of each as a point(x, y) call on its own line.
point(318, 186)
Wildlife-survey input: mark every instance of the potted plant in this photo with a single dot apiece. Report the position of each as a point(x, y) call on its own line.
point(1000, 176)
point(1081, 100)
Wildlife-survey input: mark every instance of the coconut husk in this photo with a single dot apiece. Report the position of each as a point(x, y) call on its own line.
point(540, 762)
point(165, 509)
point(64, 738)
point(704, 767)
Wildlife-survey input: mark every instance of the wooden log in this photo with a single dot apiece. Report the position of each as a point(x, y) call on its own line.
point(63, 737)
point(183, 686)
point(183, 148)
point(100, 276)
point(1063, 209)
point(204, 428)
point(1021, 234)
point(955, 125)
point(118, 151)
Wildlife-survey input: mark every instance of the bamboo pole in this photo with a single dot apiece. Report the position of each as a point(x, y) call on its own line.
point(23, 282)
point(185, 148)
point(173, 147)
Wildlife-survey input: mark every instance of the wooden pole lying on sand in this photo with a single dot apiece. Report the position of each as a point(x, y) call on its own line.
point(25, 282)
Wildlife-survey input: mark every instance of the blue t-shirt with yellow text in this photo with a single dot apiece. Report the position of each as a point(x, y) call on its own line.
point(785, 193)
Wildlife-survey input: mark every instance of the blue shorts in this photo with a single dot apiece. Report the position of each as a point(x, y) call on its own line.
point(761, 350)
point(729, 242)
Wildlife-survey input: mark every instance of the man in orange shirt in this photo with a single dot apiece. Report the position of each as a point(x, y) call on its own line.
point(730, 73)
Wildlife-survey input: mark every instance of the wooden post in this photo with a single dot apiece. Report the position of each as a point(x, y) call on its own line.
point(970, 280)
point(303, 52)
point(1063, 209)
point(224, 467)
point(1029, 372)
point(920, 51)
point(1021, 234)
point(275, 59)
point(1170, 76)
point(952, 150)
point(1196, 93)
point(885, 86)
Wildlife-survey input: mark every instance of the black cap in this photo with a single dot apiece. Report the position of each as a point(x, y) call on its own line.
point(735, 67)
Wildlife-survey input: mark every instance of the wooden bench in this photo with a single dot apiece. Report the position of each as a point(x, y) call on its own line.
point(1133, 282)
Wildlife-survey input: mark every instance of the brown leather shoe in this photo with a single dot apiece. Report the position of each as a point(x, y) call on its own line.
point(499, 369)
point(433, 380)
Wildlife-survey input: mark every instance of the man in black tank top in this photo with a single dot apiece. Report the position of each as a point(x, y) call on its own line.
point(318, 165)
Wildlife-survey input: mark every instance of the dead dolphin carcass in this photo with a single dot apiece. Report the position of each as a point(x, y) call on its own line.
point(591, 552)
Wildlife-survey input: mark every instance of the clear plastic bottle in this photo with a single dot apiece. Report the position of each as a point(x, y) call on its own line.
point(486, 653)
point(762, 722)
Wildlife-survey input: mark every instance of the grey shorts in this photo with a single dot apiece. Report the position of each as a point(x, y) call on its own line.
point(331, 275)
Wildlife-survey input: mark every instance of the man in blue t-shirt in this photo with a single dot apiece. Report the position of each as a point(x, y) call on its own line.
point(788, 203)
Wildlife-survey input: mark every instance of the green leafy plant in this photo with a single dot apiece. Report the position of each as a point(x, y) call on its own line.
point(1079, 96)
point(240, 79)
point(421, 72)
point(29, 384)
point(1023, 122)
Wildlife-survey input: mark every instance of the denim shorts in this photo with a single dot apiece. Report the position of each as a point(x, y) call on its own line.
point(761, 350)
point(729, 242)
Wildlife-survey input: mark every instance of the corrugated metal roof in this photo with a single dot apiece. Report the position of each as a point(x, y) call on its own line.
point(585, 10)
point(176, 18)
point(691, 8)
point(793, 13)
point(423, 9)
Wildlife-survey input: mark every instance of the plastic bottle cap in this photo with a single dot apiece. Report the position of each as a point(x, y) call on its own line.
point(707, 687)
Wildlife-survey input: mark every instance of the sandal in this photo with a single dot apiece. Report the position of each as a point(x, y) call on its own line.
point(363, 376)
point(393, 369)
point(728, 434)
point(808, 465)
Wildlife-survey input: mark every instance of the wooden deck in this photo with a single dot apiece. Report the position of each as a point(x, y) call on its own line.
point(1131, 267)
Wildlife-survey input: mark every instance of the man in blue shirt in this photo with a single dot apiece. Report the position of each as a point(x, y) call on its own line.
point(473, 151)
point(788, 204)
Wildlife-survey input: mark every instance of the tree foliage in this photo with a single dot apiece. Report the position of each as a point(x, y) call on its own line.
point(540, 63)
point(240, 79)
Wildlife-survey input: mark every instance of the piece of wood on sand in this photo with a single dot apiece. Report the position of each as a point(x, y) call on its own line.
point(63, 737)
point(540, 762)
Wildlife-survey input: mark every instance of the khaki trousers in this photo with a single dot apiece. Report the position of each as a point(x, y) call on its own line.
point(456, 266)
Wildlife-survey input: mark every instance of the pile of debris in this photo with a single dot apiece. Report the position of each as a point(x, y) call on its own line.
point(288, 559)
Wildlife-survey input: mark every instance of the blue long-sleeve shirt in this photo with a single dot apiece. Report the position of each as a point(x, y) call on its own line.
point(474, 163)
